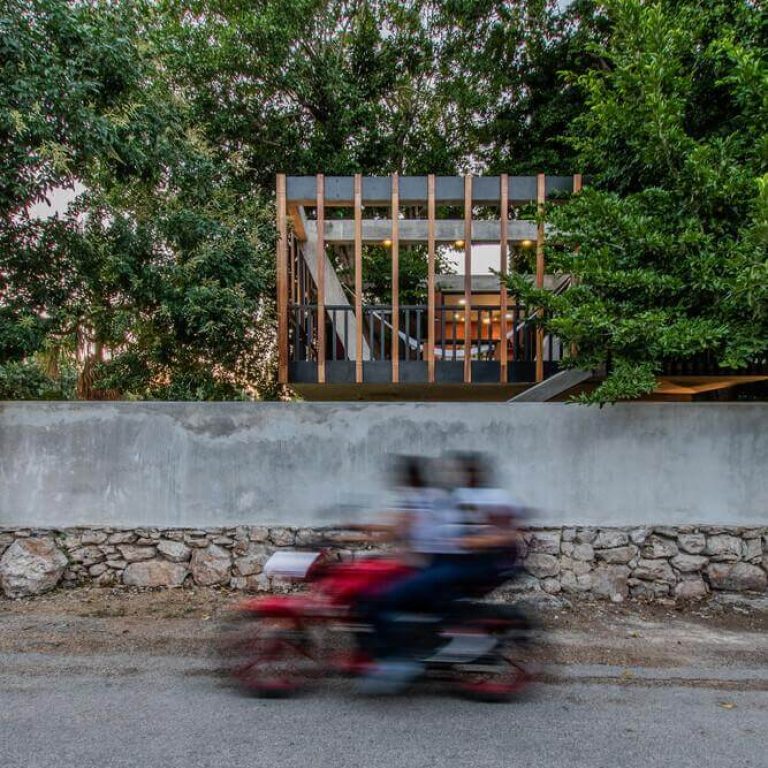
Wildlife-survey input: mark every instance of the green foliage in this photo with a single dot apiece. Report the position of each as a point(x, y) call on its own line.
point(158, 279)
point(668, 247)
point(170, 119)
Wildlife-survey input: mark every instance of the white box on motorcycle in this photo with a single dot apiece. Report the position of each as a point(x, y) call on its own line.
point(290, 564)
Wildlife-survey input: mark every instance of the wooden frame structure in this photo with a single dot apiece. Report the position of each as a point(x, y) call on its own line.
point(324, 309)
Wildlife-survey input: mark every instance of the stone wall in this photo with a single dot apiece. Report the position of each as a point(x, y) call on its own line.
point(685, 562)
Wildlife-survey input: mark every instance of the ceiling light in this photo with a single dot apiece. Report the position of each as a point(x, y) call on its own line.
point(527, 243)
point(462, 302)
point(387, 243)
point(486, 321)
point(459, 243)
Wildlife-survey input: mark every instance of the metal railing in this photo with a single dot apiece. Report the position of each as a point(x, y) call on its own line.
point(412, 331)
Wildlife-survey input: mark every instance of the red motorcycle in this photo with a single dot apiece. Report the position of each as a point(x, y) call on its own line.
point(276, 645)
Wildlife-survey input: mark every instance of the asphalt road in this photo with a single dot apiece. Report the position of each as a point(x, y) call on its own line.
point(121, 711)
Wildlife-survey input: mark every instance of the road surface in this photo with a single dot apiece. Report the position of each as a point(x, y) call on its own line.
point(126, 711)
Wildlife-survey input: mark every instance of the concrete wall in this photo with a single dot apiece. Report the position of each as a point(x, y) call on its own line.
point(191, 464)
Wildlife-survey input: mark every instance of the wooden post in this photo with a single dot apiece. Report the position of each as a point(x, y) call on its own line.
point(577, 187)
point(541, 197)
point(359, 278)
point(503, 260)
point(467, 278)
point(282, 281)
point(320, 278)
point(395, 280)
point(431, 278)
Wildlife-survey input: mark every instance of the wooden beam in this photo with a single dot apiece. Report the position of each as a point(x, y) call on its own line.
point(431, 278)
point(298, 222)
point(395, 348)
point(320, 203)
point(282, 281)
point(503, 261)
point(577, 187)
point(467, 278)
point(359, 278)
point(541, 197)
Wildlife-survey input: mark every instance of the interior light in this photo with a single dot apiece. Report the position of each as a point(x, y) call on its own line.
point(508, 316)
point(486, 321)
point(527, 243)
point(455, 315)
point(462, 302)
point(387, 243)
point(459, 243)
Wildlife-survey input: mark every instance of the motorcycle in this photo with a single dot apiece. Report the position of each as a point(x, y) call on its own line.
point(276, 645)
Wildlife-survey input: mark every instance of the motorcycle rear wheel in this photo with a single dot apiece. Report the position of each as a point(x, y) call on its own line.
point(504, 680)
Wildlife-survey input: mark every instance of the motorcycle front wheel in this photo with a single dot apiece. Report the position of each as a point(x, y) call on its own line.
point(267, 656)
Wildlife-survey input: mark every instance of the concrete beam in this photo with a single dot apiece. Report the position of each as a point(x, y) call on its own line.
point(415, 230)
point(449, 190)
point(553, 386)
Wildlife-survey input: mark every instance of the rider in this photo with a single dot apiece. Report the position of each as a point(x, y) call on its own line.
point(465, 539)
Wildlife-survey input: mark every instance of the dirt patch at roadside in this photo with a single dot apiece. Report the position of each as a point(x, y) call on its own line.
point(725, 630)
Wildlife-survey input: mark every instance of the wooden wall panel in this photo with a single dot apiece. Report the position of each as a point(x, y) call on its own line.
point(359, 278)
point(320, 203)
point(467, 279)
point(282, 281)
point(431, 279)
point(503, 261)
point(395, 354)
point(541, 197)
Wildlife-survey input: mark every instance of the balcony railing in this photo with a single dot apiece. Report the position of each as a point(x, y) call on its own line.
point(450, 348)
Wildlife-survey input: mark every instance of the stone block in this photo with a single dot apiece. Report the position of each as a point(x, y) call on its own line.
point(586, 535)
point(692, 543)
point(583, 552)
point(737, 577)
point(582, 567)
point(133, 554)
point(31, 566)
point(154, 573)
point(252, 562)
point(282, 537)
point(176, 551)
point(210, 566)
point(654, 570)
point(551, 586)
point(638, 535)
point(658, 546)
point(610, 539)
point(691, 588)
point(87, 555)
point(688, 563)
point(724, 547)
point(752, 550)
point(546, 542)
point(610, 581)
point(542, 565)
point(617, 555)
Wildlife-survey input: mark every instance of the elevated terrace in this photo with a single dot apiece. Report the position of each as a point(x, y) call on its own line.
point(467, 338)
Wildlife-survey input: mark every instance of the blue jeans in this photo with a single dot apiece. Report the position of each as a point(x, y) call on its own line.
point(434, 588)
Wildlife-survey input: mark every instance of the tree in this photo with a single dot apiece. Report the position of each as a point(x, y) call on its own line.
point(155, 279)
point(668, 245)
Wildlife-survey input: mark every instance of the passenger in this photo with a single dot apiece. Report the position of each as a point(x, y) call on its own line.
point(465, 539)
